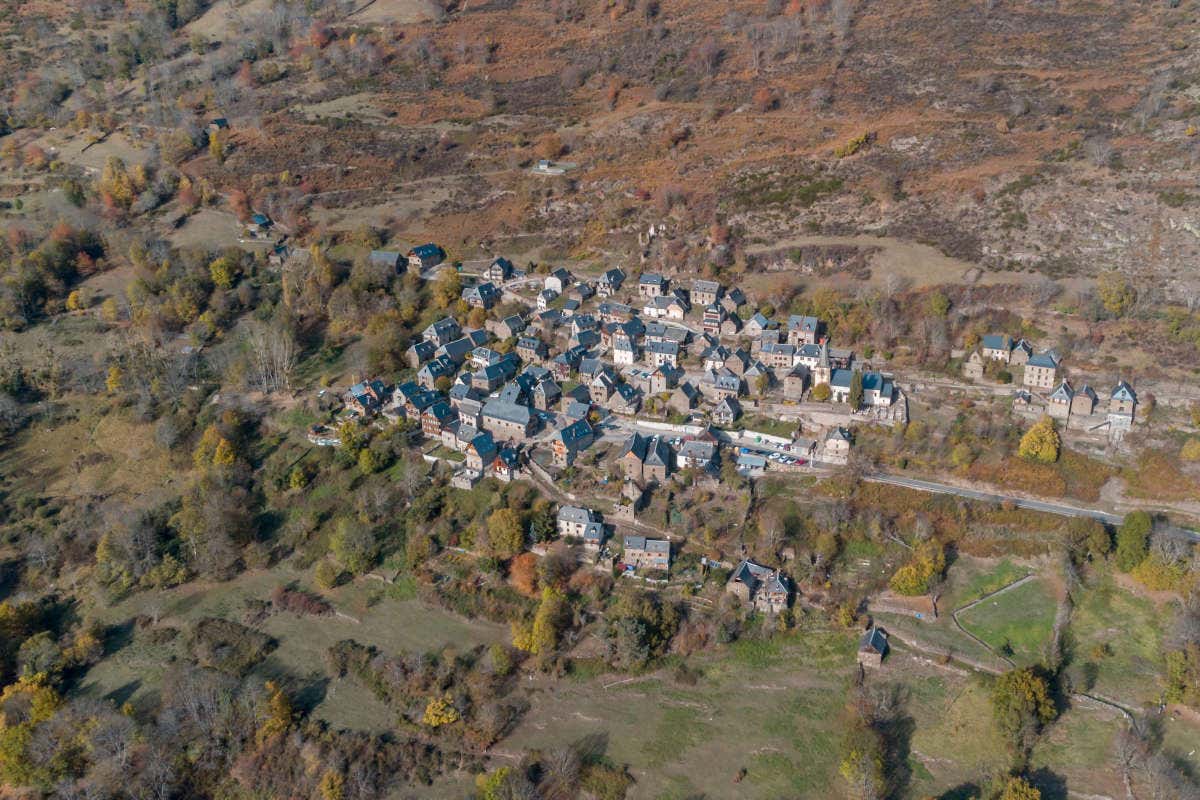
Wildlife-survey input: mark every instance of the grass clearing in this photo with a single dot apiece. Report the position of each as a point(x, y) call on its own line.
point(1117, 635)
point(1078, 749)
point(971, 578)
point(771, 709)
point(134, 671)
point(1019, 621)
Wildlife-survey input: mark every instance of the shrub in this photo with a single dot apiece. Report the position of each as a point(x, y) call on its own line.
point(1190, 450)
point(228, 646)
point(296, 601)
point(326, 575)
point(854, 145)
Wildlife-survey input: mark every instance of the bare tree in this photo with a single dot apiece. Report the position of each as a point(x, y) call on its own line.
point(1099, 151)
point(272, 358)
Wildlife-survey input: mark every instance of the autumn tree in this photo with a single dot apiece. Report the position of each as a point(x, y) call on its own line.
point(1116, 292)
point(1041, 443)
point(353, 545)
point(505, 534)
point(923, 568)
point(523, 573)
point(1021, 705)
point(1017, 788)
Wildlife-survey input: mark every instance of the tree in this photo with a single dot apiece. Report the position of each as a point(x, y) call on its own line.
point(861, 764)
point(223, 272)
point(926, 565)
point(939, 304)
point(326, 574)
point(1021, 705)
point(354, 546)
point(523, 573)
point(440, 711)
point(505, 536)
point(856, 390)
point(1041, 443)
point(1116, 292)
point(1087, 538)
point(821, 392)
point(1015, 788)
point(548, 621)
point(447, 288)
point(114, 380)
point(1133, 540)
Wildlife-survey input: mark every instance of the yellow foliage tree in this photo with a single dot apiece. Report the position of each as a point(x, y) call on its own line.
point(223, 271)
point(1019, 789)
point(116, 183)
point(115, 379)
point(224, 455)
point(440, 711)
point(1116, 293)
point(1041, 442)
point(203, 454)
point(333, 785)
point(276, 713)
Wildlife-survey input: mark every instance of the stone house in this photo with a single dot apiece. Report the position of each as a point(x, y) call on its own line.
point(1021, 353)
point(795, 382)
point(1122, 405)
point(727, 411)
point(651, 285)
point(705, 293)
point(642, 553)
point(684, 398)
point(973, 366)
point(558, 281)
point(1041, 371)
point(872, 648)
point(481, 451)
point(697, 454)
point(659, 353)
point(1084, 403)
point(766, 589)
point(646, 458)
point(443, 331)
point(997, 347)
point(803, 330)
point(569, 441)
point(531, 349)
point(610, 282)
point(1059, 403)
point(507, 420)
point(837, 444)
point(500, 270)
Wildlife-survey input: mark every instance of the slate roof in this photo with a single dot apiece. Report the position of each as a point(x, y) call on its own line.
point(1123, 391)
point(997, 341)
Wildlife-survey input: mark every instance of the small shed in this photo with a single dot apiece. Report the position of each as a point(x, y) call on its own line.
point(873, 647)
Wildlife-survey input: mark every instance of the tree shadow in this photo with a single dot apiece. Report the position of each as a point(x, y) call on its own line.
point(897, 735)
point(122, 694)
point(964, 791)
point(9, 570)
point(118, 636)
point(1052, 787)
point(310, 693)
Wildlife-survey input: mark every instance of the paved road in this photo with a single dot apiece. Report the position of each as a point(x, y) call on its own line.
point(1048, 507)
